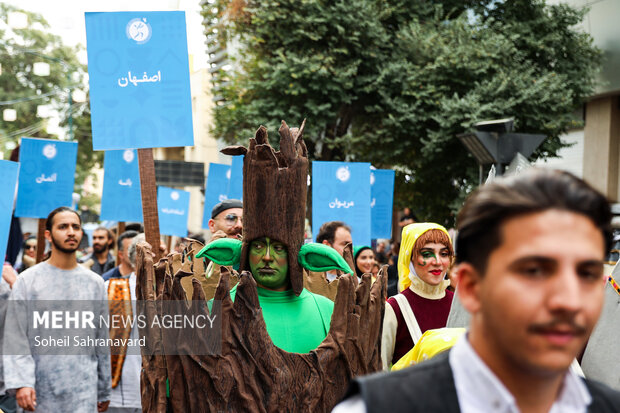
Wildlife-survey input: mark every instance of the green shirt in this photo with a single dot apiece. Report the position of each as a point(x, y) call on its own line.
point(297, 324)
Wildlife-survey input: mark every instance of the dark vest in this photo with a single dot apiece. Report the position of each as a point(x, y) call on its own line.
point(429, 387)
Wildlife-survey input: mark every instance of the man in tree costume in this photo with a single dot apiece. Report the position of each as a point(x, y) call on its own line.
point(269, 360)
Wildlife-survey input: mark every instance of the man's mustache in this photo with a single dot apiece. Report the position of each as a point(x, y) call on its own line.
point(235, 231)
point(563, 324)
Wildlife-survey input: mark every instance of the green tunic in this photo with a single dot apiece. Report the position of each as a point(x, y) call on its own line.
point(297, 324)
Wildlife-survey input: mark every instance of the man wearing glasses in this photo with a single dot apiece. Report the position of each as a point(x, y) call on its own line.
point(227, 218)
point(226, 222)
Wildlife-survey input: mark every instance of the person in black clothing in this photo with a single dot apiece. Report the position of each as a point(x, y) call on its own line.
point(530, 252)
point(380, 254)
point(101, 259)
point(124, 268)
point(407, 218)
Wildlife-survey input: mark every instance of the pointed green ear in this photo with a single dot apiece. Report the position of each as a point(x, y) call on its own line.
point(319, 258)
point(223, 251)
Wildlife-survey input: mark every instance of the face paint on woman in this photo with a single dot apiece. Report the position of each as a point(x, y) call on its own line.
point(432, 262)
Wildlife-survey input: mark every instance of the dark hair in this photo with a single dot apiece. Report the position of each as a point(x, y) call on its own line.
point(359, 272)
point(327, 232)
point(50, 218)
point(30, 238)
point(107, 230)
point(196, 236)
point(536, 190)
point(125, 235)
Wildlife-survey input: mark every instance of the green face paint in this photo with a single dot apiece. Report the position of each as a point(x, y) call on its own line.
point(431, 262)
point(269, 264)
point(427, 255)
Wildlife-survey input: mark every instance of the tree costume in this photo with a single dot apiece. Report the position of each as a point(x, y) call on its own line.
point(251, 373)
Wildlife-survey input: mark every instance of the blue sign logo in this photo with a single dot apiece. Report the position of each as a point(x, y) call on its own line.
point(341, 192)
point(139, 30)
point(8, 181)
point(381, 202)
point(46, 176)
point(173, 207)
point(121, 199)
point(138, 71)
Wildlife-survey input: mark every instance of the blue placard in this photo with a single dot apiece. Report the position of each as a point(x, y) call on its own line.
point(8, 181)
point(216, 189)
point(235, 188)
point(341, 192)
point(46, 176)
point(138, 72)
point(173, 209)
point(121, 199)
point(381, 201)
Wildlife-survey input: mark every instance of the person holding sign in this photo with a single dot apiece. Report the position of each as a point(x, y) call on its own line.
point(48, 383)
point(423, 303)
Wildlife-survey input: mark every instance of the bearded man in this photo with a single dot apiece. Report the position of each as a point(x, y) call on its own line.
point(46, 382)
point(101, 259)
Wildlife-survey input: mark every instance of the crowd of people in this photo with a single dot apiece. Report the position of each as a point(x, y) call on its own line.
point(527, 263)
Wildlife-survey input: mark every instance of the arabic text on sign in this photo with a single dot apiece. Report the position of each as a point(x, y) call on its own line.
point(341, 204)
point(43, 178)
point(173, 211)
point(124, 81)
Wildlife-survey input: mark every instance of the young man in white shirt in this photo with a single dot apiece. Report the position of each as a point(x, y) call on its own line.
point(530, 253)
point(79, 379)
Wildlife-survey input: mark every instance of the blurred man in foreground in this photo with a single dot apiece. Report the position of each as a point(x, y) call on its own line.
point(530, 252)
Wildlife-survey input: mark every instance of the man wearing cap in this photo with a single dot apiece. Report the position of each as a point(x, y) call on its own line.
point(227, 218)
point(226, 222)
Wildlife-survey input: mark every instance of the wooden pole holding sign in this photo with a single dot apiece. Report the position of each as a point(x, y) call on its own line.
point(121, 229)
point(41, 240)
point(148, 188)
point(169, 244)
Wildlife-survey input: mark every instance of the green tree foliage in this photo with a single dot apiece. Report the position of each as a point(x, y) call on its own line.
point(22, 90)
point(393, 81)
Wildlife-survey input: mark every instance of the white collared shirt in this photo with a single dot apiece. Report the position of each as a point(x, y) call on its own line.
point(479, 390)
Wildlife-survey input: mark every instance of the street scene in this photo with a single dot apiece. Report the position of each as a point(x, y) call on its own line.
point(309, 206)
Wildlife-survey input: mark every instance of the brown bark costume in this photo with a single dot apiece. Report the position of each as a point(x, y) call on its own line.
point(251, 374)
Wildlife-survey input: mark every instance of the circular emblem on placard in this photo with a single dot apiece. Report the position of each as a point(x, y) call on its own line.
point(343, 173)
point(128, 155)
point(49, 151)
point(139, 30)
point(174, 195)
point(372, 178)
point(228, 174)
